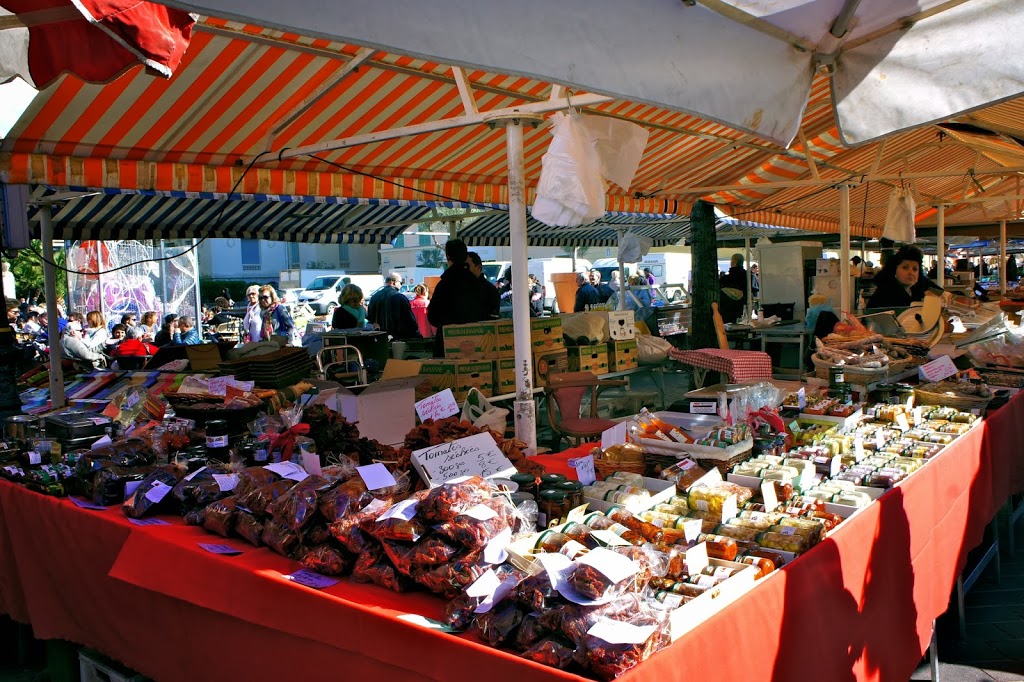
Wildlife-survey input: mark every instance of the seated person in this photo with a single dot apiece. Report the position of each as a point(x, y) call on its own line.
point(166, 333)
point(187, 335)
point(350, 313)
point(117, 334)
point(74, 346)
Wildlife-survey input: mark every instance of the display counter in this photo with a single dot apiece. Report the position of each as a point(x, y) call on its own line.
point(859, 605)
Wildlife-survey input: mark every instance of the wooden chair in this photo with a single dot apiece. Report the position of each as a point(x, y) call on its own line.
point(565, 392)
point(699, 373)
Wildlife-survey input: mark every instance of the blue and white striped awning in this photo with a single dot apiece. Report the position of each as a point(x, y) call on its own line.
point(663, 229)
point(147, 214)
point(143, 215)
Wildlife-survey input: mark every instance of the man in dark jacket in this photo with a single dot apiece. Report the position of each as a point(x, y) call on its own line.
point(491, 295)
point(458, 298)
point(604, 291)
point(389, 310)
point(586, 294)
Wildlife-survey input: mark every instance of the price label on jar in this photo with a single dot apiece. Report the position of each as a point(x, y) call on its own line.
point(901, 421)
point(697, 558)
point(858, 448)
point(729, 508)
point(704, 407)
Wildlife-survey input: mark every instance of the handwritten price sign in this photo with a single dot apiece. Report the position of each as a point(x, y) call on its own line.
point(438, 406)
point(473, 456)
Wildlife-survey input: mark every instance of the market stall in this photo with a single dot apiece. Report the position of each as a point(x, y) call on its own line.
point(129, 579)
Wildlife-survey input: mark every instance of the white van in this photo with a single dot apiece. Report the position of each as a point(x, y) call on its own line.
point(543, 268)
point(669, 268)
point(495, 269)
point(606, 266)
point(322, 293)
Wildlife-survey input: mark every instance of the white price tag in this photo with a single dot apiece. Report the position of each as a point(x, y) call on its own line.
point(938, 369)
point(406, 509)
point(692, 529)
point(480, 512)
point(289, 470)
point(195, 473)
point(226, 482)
point(901, 421)
point(130, 487)
point(619, 632)
point(697, 558)
point(771, 500)
point(614, 436)
point(311, 463)
point(584, 467)
point(612, 565)
point(835, 466)
point(609, 538)
point(157, 491)
point(704, 407)
point(485, 585)
point(131, 400)
point(801, 398)
point(438, 406)
point(729, 508)
point(858, 448)
point(376, 476)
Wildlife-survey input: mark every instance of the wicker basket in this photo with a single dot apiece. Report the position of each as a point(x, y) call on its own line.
point(655, 463)
point(723, 465)
point(201, 408)
point(963, 403)
point(852, 373)
point(605, 468)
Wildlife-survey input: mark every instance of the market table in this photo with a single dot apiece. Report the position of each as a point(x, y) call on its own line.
point(858, 606)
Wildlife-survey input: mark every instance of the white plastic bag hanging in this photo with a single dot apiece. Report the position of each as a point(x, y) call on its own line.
point(571, 191)
point(620, 146)
point(899, 220)
point(633, 247)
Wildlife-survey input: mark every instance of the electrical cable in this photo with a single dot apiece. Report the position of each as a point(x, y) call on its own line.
point(216, 225)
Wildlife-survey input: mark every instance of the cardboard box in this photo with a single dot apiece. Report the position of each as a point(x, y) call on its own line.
point(589, 359)
point(622, 355)
point(384, 410)
point(477, 341)
point(505, 376)
point(546, 334)
point(621, 324)
point(660, 491)
point(827, 267)
point(474, 374)
point(547, 363)
point(506, 339)
point(435, 376)
point(694, 612)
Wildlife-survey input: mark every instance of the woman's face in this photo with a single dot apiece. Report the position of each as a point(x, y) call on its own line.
point(265, 299)
point(907, 272)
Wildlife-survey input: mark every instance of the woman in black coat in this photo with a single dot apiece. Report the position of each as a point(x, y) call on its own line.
point(899, 283)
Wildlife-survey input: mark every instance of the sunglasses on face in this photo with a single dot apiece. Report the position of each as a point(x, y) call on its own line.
point(264, 298)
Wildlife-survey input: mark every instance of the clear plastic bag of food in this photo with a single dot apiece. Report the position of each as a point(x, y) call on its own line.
point(220, 516)
point(373, 567)
point(297, 507)
point(536, 593)
point(450, 579)
point(430, 551)
point(448, 500)
point(259, 500)
point(347, 530)
point(552, 652)
point(251, 478)
point(153, 494)
point(500, 624)
point(531, 631)
point(602, 573)
point(201, 487)
point(473, 604)
point(280, 538)
point(683, 473)
point(481, 523)
point(612, 646)
point(337, 502)
point(327, 560)
point(107, 485)
point(250, 527)
point(711, 498)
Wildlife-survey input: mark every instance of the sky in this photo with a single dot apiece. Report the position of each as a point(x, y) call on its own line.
point(14, 99)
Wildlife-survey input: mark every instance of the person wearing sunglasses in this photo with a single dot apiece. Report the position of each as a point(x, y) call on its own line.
point(275, 317)
point(253, 320)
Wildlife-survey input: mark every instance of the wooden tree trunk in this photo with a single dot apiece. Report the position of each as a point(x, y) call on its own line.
point(704, 245)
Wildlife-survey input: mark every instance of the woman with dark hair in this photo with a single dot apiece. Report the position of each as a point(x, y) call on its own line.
point(899, 283)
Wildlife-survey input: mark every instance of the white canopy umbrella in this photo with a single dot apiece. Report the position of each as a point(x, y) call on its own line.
point(896, 64)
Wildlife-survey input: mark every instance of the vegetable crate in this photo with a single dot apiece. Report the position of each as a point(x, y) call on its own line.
point(589, 359)
point(94, 667)
point(476, 341)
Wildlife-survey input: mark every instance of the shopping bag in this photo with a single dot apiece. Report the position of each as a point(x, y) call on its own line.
point(570, 191)
point(899, 219)
point(478, 411)
point(651, 350)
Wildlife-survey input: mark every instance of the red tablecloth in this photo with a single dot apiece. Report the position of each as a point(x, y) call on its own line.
point(740, 365)
point(857, 606)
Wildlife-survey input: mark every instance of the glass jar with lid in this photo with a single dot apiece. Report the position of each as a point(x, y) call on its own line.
point(553, 506)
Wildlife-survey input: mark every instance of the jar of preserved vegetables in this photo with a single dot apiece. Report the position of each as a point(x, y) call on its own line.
point(553, 507)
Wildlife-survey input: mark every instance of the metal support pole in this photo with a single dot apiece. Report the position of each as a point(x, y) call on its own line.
point(1002, 257)
point(844, 248)
point(525, 408)
point(933, 655)
point(622, 279)
point(52, 327)
point(750, 287)
point(940, 245)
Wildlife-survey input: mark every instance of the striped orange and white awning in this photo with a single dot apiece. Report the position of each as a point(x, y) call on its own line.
point(243, 91)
